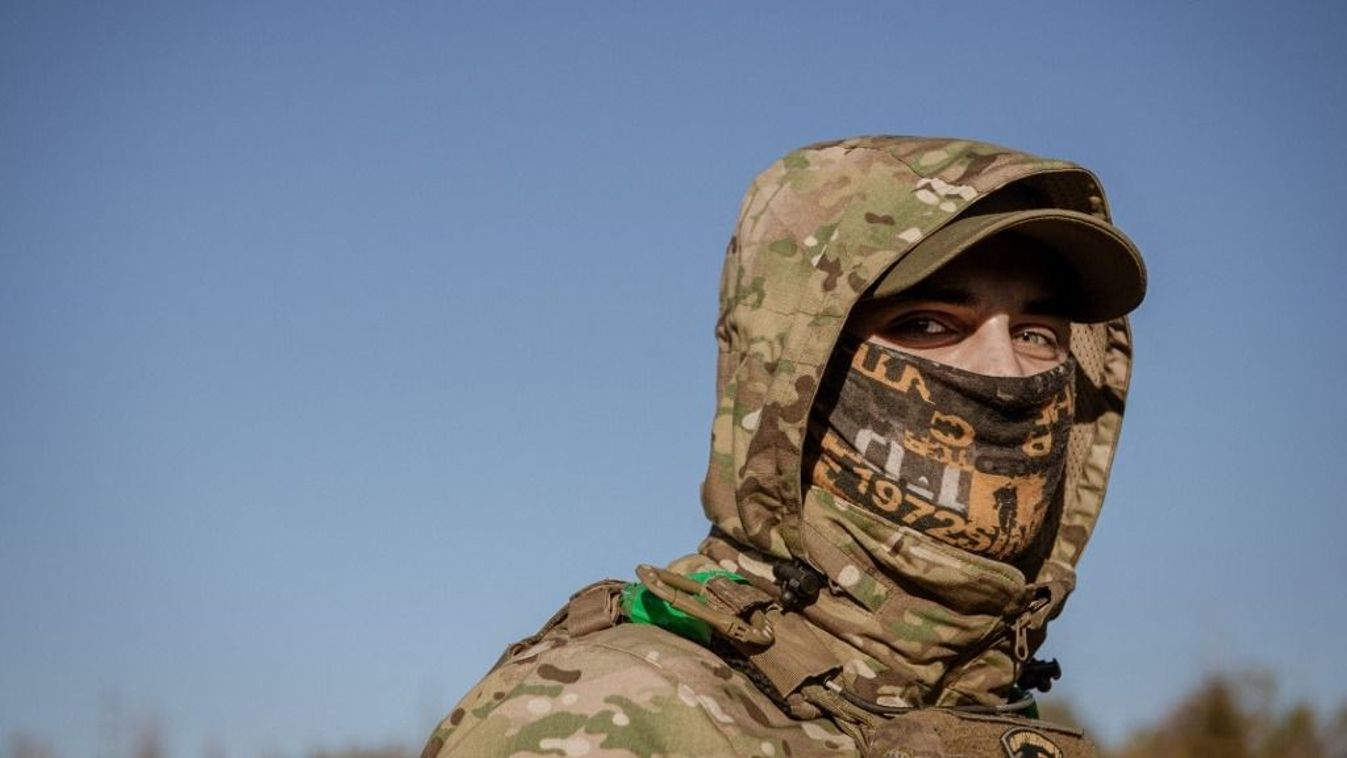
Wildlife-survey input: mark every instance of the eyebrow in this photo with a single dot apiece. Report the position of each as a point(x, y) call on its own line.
point(951, 295)
point(1047, 306)
point(1044, 306)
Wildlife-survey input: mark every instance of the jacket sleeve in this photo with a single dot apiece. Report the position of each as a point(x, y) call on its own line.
point(581, 698)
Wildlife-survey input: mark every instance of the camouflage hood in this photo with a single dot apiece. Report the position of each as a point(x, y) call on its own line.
point(911, 618)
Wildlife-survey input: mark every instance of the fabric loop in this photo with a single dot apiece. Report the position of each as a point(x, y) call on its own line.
point(796, 655)
point(593, 608)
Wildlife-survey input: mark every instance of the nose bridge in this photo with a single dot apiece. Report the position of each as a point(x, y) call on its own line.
point(992, 350)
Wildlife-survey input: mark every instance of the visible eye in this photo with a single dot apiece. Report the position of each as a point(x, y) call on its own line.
point(1037, 337)
point(921, 325)
point(921, 329)
point(1038, 341)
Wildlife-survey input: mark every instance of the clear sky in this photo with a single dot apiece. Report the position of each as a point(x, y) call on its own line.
point(341, 341)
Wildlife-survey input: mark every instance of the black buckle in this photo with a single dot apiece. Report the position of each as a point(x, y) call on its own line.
point(1038, 675)
point(799, 585)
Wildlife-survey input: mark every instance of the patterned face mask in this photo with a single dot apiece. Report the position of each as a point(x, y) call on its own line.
point(968, 459)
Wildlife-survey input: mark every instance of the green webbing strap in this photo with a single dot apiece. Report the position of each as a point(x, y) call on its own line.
point(641, 606)
point(1032, 710)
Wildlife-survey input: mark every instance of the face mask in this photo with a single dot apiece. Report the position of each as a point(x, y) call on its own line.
point(968, 459)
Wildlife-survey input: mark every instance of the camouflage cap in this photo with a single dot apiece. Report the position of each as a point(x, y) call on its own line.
point(1108, 274)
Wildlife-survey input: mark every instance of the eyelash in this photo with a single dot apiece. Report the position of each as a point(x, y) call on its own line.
point(918, 321)
point(922, 327)
point(915, 327)
point(1050, 338)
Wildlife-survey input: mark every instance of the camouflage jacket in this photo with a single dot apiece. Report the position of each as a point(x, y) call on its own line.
point(903, 621)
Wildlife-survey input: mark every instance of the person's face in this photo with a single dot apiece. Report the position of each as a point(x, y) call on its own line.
point(993, 310)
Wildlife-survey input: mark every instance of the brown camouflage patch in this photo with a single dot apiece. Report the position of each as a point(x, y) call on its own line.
point(552, 673)
point(432, 747)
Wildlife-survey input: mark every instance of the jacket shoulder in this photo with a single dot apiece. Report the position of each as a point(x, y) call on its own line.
point(628, 690)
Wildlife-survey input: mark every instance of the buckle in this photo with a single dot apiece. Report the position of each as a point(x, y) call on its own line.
point(684, 594)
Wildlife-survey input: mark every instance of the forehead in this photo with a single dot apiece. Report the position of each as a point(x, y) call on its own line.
point(1004, 270)
point(1004, 274)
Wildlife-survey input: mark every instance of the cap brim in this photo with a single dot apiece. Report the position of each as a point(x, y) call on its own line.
point(1109, 273)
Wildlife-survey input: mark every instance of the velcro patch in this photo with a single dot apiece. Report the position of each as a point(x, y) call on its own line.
point(1021, 742)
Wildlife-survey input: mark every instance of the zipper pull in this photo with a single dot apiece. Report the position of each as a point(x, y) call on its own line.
point(1021, 630)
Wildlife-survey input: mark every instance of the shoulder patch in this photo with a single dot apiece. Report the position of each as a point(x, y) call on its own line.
point(1022, 742)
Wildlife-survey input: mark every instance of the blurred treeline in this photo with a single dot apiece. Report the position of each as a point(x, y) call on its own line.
point(1226, 716)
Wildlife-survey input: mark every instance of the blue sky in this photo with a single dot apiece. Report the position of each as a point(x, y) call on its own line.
point(341, 341)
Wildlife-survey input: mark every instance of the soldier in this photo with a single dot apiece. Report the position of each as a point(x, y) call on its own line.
point(924, 356)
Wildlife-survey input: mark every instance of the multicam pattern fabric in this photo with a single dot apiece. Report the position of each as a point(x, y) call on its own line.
point(632, 690)
point(907, 619)
point(969, 459)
